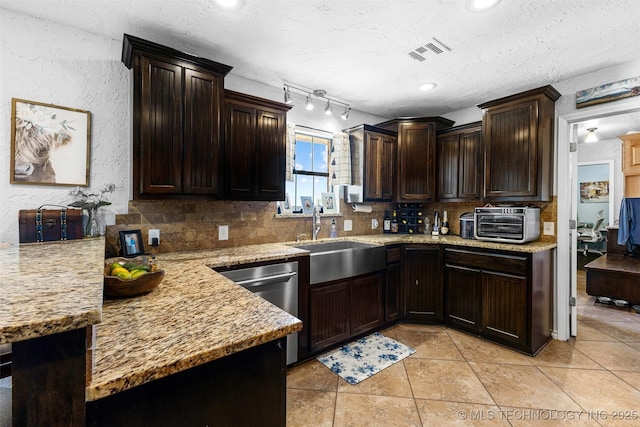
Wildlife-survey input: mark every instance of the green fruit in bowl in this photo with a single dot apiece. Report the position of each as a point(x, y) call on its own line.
point(137, 273)
point(123, 275)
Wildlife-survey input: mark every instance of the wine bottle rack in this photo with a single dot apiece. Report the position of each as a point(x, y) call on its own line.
point(410, 218)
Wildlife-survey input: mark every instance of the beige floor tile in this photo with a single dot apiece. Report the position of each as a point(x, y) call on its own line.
point(525, 417)
point(420, 328)
point(611, 355)
point(623, 331)
point(607, 313)
point(522, 387)
point(391, 381)
point(363, 410)
point(431, 345)
point(440, 413)
point(312, 375)
point(635, 345)
point(445, 380)
point(309, 408)
point(562, 354)
point(474, 349)
point(591, 331)
point(632, 378)
point(596, 390)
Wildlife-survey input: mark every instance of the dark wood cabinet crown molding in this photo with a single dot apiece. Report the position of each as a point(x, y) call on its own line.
point(131, 43)
point(548, 91)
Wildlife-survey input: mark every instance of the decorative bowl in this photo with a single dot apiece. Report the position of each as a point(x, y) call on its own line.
point(116, 287)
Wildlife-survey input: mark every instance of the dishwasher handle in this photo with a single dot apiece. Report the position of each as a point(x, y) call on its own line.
point(276, 278)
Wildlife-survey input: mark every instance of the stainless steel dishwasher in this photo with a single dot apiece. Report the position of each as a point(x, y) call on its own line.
point(276, 283)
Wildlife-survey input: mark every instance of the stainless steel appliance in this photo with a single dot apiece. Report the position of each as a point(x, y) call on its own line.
point(276, 283)
point(515, 224)
point(467, 226)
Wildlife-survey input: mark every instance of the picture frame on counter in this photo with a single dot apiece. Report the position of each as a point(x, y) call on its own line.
point(329, 203)
point(131, 243)
point(50, 144)
point(307, 204)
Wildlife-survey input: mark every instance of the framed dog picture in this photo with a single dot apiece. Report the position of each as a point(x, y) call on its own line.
point(50, 144)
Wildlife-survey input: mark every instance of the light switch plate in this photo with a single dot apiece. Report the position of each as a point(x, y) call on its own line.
point(223, 232)
point(348, 225)
point(548, 229)
point(154, 233)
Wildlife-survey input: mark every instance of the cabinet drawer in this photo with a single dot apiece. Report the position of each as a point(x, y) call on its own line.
point(393, 255)
point(513, 263)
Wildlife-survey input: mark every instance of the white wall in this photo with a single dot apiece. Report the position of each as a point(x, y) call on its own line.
point(44, 62)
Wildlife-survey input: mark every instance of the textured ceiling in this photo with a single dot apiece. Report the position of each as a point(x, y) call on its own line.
point(358, 50)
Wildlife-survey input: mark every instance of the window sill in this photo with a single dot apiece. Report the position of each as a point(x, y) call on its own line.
point(292, 215)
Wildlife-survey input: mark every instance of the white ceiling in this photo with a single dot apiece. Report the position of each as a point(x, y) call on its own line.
point(357, 50)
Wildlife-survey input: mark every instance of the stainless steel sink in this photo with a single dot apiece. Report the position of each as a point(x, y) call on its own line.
point(343, 259)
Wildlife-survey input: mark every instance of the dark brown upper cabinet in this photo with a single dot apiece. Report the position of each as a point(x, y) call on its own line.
point(177, 108)
point(460, 167)
point(416, 164)
point(255, 142)
point(518, 145)
point(379, 165)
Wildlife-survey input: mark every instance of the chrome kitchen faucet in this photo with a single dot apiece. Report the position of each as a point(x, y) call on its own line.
point(316, 222)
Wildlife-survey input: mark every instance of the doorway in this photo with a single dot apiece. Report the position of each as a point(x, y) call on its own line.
point(567, 191)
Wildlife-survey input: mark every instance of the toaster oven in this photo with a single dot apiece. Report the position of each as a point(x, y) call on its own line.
point(507, 224)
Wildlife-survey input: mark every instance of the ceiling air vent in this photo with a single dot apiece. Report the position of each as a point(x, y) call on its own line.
point(435, 46)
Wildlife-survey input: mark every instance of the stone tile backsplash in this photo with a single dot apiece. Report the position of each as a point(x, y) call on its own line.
point(193, 224)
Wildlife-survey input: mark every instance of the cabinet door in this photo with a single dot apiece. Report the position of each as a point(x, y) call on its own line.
point(270, 151)
point(392, 292)
point(470, 165)
point(448, 149)
point(423, 298)
point(463, 287)
point(202, 93)
point(240, 150)
point(328, 315)
point(511, 137)
point(373, 143)
point(504, 307)
point(416, 161)
point(380, 160)
point(366, 306)
point(158, 154)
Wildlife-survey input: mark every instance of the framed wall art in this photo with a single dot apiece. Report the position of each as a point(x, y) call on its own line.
point(608, 92)
point(329, 202)
point(50, 144)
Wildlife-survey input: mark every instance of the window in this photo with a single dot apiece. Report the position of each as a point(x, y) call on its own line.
point(311, 170)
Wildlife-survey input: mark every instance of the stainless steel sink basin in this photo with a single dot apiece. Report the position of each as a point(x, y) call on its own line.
point(343, 259)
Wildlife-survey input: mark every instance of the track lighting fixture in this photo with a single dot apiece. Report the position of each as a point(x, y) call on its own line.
point(318, 93)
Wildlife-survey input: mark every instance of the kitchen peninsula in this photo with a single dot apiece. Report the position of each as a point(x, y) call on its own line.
point(185, 342)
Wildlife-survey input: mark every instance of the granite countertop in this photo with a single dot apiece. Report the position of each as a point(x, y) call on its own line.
point(193, 317)
point(48, 288)
point(390, 239)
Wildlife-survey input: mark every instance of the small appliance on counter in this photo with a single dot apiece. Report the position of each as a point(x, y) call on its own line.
point(512, 224)
point(466, 225)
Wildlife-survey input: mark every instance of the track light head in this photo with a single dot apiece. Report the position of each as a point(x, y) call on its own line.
point(328, 109)
point(345, 114)
point(309, 103)
point(287, 95)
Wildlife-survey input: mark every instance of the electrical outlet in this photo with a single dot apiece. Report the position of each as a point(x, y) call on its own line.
point(348, 225)
point(548, 229)
point(374, 224)
point(223, 232)
point(154, 234)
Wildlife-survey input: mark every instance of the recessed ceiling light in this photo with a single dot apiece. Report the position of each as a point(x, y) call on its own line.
point(481, 5)
point(230, 4)
point(427, 86)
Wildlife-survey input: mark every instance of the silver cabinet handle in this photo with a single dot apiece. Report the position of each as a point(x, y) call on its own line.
point(266, 280)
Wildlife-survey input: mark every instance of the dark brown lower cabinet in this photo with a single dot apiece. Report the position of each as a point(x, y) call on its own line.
point(243, 389)
point(343, 309)
point(422, 283)
point(392, 286)
point(501, 295)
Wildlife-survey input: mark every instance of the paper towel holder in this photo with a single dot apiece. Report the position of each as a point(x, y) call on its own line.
point(361, 208)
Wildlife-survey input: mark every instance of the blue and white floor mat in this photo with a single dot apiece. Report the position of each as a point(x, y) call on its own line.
point(365, 357)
